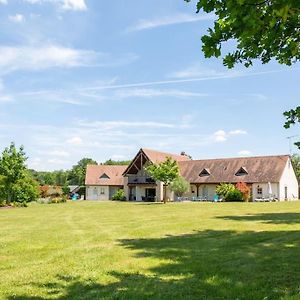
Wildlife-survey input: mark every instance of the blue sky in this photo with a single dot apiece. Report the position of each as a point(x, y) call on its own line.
point(101, 79)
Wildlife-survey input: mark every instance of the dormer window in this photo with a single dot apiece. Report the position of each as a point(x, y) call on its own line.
point(241, 172)
point(204, 172)
point(104, 176)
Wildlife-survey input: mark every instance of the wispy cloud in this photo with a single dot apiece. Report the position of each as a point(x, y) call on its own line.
point(197, 71)
point(18, 18)
point(3, 1)
point(222, 136)
point(78, 5)
point(151, 93)
point(244, 153)
point(168, 20)
point(106, 125)
point(43, 57)
point(176, 81)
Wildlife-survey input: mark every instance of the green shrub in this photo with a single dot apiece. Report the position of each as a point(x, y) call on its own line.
point(65, 190)
point(180, 186)
point(119, 195)
point(224, 188)
point(2, 203)
point(25, 190)
point(234, 196)
point(19, 204)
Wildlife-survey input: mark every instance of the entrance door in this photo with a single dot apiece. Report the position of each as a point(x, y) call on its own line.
point(150, 194)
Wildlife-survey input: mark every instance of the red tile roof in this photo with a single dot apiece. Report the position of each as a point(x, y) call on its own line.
point(158, 156)
point(94, 172)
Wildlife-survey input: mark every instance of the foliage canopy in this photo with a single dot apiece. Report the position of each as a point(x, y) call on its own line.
point(262, 29)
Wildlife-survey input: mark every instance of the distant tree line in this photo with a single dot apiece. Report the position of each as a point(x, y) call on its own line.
point(74, 176)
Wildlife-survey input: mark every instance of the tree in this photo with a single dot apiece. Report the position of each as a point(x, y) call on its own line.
point(262, 29)
point(292, 117)
point(117, 162)
point(244, 189)
point(25, 189)
point(166, 172)
point(223, 189)
point(17, 184)
point(296, 165)
point(78, 172)
point(66, 189)
point(179, 186)
point(12, 168)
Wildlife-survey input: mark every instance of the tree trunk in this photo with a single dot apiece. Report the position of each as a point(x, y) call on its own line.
point(165, 194)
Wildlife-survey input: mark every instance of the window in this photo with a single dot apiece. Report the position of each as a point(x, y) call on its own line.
point(104, 176)
point(241, 172)
point(259, 190)
point(102, 191)
point(95, 191)
point(204, 172)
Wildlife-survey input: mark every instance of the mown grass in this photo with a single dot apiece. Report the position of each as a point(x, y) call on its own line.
point(91, 250)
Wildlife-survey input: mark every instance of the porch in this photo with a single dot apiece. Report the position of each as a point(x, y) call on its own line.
point(143, 192)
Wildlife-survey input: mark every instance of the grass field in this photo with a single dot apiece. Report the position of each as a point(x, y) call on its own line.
point(90, 250)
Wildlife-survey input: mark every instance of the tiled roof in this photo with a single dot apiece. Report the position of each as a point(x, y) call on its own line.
point(158, 156)
point(259, 169)
point(94, 172)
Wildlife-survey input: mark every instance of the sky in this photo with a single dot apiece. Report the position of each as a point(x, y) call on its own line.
point(102, 79)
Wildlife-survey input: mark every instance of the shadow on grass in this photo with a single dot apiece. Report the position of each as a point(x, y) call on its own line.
point(269, 218)
point(202, 265)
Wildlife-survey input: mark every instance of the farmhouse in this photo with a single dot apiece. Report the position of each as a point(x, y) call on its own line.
point(103, 181)
point(267, 176)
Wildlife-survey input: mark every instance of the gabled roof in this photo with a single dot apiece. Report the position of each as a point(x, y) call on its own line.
point(94, 172)
point(158, 156)
point(147, 155)
point(259, 169)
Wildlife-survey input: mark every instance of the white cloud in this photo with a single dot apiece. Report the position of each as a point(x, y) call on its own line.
point(244, 153)
point(3, 1)
point(150, 93)
point(4, 97)
point(59, 153)
point(78, 5)
point(222, 135)
point(107, 125)
point(198, 71)
point(76, 140)
point(56, 161)
point(168, 20)
point(49, 56)
point(237, 132)
point(36, 58)
point(74, 5)
point(18, 18)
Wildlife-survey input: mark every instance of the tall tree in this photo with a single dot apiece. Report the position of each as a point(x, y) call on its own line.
point(12, 168)
point(77, 174)
point(262, 29)
point(117, 162)
point(166, 172)
point(179, 186)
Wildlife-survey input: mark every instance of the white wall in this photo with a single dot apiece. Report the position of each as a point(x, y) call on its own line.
point(265, 190)
point(288, 180)
point(97, 192)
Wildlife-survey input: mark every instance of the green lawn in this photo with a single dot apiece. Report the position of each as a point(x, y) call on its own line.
point(90, 250)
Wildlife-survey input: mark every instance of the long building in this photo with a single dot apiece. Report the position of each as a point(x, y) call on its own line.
point(263, 174)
